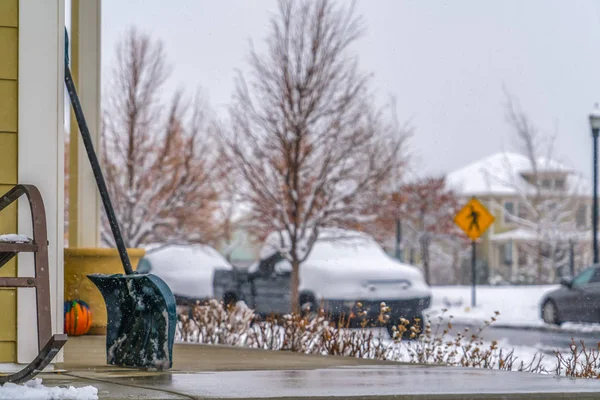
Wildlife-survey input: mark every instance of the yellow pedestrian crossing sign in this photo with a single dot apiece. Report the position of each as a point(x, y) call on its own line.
point(474, 219)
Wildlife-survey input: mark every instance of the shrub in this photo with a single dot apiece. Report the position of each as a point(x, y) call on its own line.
point(414, 341)
point(580, 362)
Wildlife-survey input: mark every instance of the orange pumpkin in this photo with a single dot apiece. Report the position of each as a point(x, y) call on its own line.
point(78, 318)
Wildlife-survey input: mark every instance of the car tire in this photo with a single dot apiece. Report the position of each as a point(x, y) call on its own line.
point(395, 321)
point(230, 299)
point(308, 302)
point(550, 313)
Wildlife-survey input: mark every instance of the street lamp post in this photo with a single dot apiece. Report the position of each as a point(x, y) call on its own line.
point(571, 258)
point(595, 125)
point(399, 240)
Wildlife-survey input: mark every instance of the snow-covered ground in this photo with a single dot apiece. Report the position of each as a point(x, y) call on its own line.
point(35, 390)
point(519, 306)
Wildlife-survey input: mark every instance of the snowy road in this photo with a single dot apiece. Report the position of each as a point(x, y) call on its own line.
point(545, 340)
point(519, 322)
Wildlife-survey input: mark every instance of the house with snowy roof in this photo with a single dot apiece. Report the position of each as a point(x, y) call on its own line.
point(543, 215)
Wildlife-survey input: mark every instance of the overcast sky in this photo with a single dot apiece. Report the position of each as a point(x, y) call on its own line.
point(446, 61)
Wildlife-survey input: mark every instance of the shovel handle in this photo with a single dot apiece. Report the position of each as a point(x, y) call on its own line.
point(95, 164)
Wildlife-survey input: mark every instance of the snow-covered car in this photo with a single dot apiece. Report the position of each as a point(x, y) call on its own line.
point(342, 270)
point(187, 269)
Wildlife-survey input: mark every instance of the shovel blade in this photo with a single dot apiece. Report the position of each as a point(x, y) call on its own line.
point(141, 320)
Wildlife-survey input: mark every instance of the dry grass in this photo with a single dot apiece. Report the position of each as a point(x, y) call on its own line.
point(413, 341)
point(580, 362)
point(464, 349)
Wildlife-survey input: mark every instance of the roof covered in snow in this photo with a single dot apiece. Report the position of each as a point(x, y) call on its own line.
point(519, 234)
point(524, 235)
point(504, 174)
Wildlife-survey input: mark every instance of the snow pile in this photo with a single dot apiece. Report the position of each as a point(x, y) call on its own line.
point(14, 238)
point(518, 305)
point(34, 390)
point(583, 327)
point(188, 270)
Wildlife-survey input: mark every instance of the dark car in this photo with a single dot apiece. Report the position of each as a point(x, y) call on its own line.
point(578, 300)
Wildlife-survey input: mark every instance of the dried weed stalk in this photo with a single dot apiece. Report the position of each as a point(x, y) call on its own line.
point(414, 341)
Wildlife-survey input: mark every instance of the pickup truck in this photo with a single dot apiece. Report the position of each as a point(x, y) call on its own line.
point(335, 276)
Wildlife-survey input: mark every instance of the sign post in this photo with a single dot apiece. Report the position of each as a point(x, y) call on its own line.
point(473, 272)
point(474, 219)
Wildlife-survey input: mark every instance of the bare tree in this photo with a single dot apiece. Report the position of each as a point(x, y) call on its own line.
point(309, 146)
point(156, 155)
point(547, 213)
point(426, 208)
point(228, 213)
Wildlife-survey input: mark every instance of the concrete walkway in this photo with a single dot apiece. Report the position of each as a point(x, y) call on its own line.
point(218, 372)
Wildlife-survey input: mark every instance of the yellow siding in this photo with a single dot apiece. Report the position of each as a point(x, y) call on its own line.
point(8, 161)
point(8, 350)
point(8, 317)
point(9, 56)
point(8, 219)
point(9, 13)
point(9, 42)
point(8, 224)
point(8, 103)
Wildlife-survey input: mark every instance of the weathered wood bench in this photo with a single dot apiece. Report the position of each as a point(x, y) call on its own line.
point(10, 246)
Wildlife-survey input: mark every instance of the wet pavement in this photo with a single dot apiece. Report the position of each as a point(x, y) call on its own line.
point(108, 390)
point(219, 372)
point(360, 382)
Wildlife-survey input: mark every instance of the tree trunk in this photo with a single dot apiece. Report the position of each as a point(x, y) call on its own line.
point(295, 284)
point(425, 257)
point(540, 263)
point(554, 265)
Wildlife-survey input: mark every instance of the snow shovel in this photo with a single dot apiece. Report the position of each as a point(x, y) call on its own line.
point(140, 307)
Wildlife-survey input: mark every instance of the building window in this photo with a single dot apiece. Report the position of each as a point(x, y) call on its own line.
point(546, 183)
point(559, 184)
point(581, 216)
point(509, 211)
